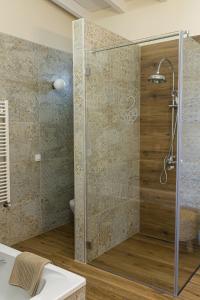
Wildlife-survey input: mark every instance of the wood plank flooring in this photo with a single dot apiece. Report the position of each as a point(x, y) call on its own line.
point(148, 260)
point(143, 259)
point(57, 245)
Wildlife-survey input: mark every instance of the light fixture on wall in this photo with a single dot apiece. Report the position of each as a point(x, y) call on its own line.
point(59, 84)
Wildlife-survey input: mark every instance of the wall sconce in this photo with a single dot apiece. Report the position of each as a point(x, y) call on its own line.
point(59, 84)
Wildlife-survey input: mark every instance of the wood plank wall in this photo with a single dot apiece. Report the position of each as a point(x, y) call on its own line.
point(157, 201)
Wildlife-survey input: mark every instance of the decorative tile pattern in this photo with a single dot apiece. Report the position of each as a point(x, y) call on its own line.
point(189, 178)
point(24, 140)
point(112, 99)
point(41, 121)
point(97, 37)
point(25, 181)
point(106, 138)
point(189, 169)
point(79, 137)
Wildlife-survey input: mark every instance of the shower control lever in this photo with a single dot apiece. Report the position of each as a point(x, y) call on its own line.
point(171, 163)
point(173, 105)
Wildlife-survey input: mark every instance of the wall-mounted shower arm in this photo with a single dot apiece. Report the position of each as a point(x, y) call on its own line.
point(166, 60)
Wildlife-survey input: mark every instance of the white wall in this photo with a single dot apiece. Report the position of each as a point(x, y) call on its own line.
point(150, 17)
point(39, 21)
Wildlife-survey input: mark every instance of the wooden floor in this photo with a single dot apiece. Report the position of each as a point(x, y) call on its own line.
point(57, 245)
point(148, 260)
point(143, 259)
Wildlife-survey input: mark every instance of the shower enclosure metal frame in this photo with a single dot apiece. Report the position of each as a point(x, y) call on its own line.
point(181, 35)
point(178, 160)
point(184, 69)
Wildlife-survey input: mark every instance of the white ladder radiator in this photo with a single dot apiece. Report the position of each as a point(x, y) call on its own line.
point(4, 154)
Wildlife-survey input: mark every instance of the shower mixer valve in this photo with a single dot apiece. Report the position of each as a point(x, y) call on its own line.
point(171, 163)
point(174, 100)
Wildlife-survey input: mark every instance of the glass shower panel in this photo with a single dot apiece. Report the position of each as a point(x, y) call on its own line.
point(114, 239)
point(189, 164)
point(112, 151)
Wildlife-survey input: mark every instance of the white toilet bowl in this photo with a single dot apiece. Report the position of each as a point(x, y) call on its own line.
point(72, 205)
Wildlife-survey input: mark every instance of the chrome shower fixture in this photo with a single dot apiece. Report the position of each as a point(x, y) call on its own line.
point(160, 78)
point(157, 78)
point(169, 162)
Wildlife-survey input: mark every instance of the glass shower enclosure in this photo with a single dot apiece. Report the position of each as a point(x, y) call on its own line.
point(188, 175)
point(127, 220)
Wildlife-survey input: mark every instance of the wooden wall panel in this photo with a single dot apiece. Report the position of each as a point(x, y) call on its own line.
point(157, 201)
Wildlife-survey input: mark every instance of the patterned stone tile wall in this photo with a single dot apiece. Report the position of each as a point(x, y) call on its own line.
point(41, 121)
point(106, 106)
point(96, 37)
point(189, 170)
point(190, 147)
point(79, 138)
point(113, 139)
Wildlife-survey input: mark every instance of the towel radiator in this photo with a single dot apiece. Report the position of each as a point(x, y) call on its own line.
point(4, 154)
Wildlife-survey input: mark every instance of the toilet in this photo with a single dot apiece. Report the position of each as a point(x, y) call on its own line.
point(72, 205)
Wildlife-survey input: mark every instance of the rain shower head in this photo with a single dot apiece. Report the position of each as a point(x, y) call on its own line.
point(157, 78)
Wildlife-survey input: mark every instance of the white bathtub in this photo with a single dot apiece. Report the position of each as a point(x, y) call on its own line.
point(56, 283)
